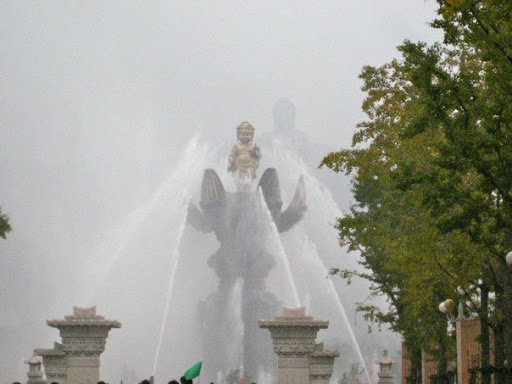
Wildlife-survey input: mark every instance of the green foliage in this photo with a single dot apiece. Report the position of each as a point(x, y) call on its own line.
point(5, 227)
point(432, 169)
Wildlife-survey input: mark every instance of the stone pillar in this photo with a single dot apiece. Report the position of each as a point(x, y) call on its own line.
point(84, 336)
point(385, 364)
point(293, 335)
point(54, 363)
point(406, 364)
point(321, 363)
point(468, 348)
point(35, 371)
point(428, 367)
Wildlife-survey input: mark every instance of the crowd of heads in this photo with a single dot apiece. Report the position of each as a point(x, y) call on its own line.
point(183, 380)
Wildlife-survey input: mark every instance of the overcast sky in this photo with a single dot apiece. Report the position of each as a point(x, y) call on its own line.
point(98, 98)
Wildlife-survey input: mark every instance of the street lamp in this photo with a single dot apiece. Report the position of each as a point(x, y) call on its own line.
point(448, 307)
point(508, 258)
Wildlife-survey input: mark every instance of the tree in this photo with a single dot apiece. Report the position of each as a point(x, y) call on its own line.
point(5, 227)
point(395, 234)
point(433, 161)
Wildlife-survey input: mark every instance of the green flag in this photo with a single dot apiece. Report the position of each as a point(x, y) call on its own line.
point(193, 372)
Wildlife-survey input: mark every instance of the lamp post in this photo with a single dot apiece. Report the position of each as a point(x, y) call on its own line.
point(508, 258)
point(466, 331)
point(448, 307)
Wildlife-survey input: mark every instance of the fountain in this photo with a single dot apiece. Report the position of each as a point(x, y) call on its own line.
point(242, 226)
point(178, 311)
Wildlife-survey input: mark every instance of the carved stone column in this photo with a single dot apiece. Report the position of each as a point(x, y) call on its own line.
point(293, 335)
point(55, 363)
point(321, 363)
point(385, 364)
point(35, 372)
point(84, 336)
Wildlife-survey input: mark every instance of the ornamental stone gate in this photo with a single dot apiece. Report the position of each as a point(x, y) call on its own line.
point(300, 359)
point(77, 359)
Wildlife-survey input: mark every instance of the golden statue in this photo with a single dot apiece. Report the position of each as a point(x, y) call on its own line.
point(245, 155)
